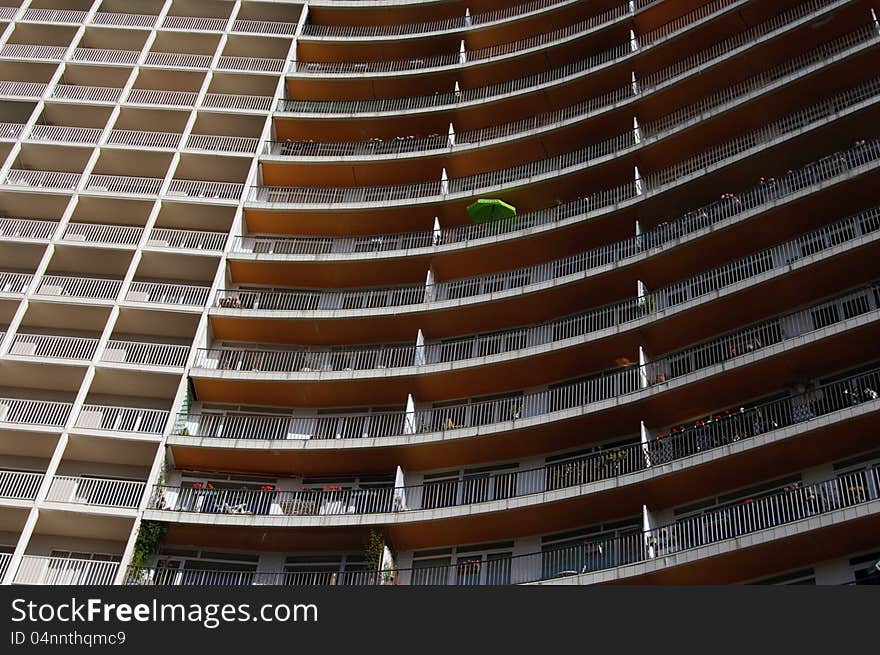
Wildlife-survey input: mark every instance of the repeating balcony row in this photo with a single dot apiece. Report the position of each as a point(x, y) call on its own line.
point(535, 278)
point(544, 41)
point(112, 95)
point(84, 490)
point(136, 138)
point(800, 66)
point(124, 184)
point(21, 412)
point(718, 430)
point(469, 20)
point(113, 19)
point(131, 57)
point(117, 235)
point(790, 505)
point(569, 163)
point(538, 82)
point(741, 347)
point(83, 349)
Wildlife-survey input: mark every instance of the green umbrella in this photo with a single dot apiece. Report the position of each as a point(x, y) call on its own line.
point(486, 210)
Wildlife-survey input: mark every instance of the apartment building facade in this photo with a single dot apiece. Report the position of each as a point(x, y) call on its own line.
point(253, 331)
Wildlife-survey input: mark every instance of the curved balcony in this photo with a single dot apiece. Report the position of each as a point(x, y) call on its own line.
point(514, 98)
point(743, 363)
point(492, 64)
point(492, 362)
point(540, 184)
point(469, 151)
point(848, 507)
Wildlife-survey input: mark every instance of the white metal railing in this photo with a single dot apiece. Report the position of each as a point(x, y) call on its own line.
point(263, 27)
point(217, 142)
point(236, 101)
point(194, 23)
point(86, 93)
point(144, 353)
point(105, 56)
point(14, 282)
point(250, 64)
point(42, 179)
point(143, 186)
point(124, 235)
point(619, 383)
point(41, 570)
point(49, 413)
point(54, 16)
point(168, 294)
point(206, 189)
point(22, 89)
point(63, 134)
point(19, 485)
point(727, 48)
point(82, 490)
point(177, 60)
point(53, 347)
point(122, 419)
point(22, 51)
point(124, 20)
point(163, 98)
point(79, 287)
point(26, 228)
point(161, 237)
point(143, 139)
point(10, 131)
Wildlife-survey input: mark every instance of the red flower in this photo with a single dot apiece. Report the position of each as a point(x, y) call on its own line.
point(198, 485)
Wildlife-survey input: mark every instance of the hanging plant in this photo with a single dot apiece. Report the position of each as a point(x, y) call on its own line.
point(147, 544)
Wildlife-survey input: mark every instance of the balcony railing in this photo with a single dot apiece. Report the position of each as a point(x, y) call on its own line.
point(124, 20)
point(570, 162)
point(23, 51)
point(142, 139)
point(557, 272)
point(54, 347)
point(26, 228)
point(122, 235)
point(725, 49)
point(54, 16)
point(88, 288)
point(42, 179)
point(239, 102)
point(10, 131)
point(450, 24)
point(802, 64)
point(46, 413)
point(205, 189)
point(215, 142)
point(105, 56)
point(65, 134)
point(194, 23)
point(122, 419)
point(86, 93)
point(716, 431)
point(178, 60)
point(15, 282)
point(263, 27)
point(40, 570)
point(783, 506)
point(163, 293)
point(200, 240)
point(79, 490)
point(146, 354)
point(162, 98)
point(562, 34)
point(618, 383)
point(140, 186)
point(22, 89)
point(19, 485)
point(250, 64)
